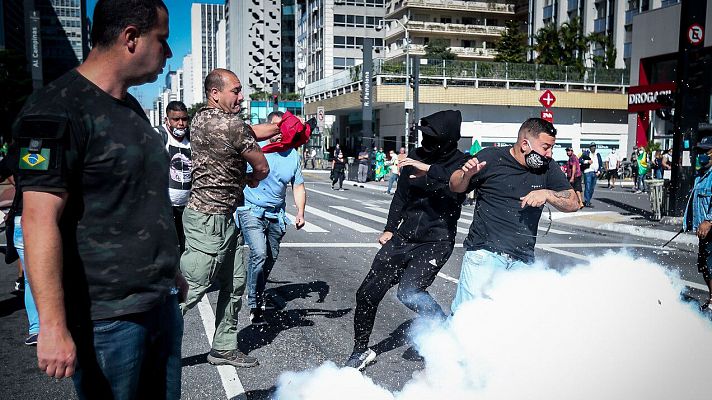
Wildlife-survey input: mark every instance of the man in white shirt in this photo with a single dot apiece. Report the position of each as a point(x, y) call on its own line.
point(612, 164)
point(177, 141)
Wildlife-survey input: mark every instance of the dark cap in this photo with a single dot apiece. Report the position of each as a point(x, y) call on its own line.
point(569, 149)
point(593, 144)
point(705, 143)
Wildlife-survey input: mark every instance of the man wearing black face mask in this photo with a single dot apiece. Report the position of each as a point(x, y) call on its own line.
point(698, 216)
point(511, 184)
point(419, 234)
point(177, 141)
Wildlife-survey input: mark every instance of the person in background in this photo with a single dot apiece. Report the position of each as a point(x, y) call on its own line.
point(574, 174)
point(612, 164)
point(176, 137)
point(658, 165)
point(393, 165)
point(642, 159)
point(381, 170)
point(338, 167)
point(634, 167)
point(591, 174)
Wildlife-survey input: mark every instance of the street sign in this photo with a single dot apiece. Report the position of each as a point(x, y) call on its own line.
point(320, 118)
point(547, 99)
point(695, 34)
point(547, 116)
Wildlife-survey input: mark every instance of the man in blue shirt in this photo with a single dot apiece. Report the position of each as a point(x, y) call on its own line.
point(263, 220)
point(700, 219)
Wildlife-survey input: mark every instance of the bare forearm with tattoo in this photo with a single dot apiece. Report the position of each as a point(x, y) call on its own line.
point(565, 200)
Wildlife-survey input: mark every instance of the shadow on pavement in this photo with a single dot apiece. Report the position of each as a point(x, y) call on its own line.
point(395, 339)
point(286, 293)
point(647, 214)
point(257, 394)
point(11, 305)
point(195, 360)
point(254, 337)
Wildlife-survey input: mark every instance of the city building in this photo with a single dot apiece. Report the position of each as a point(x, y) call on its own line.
point(204, 21)
point(261, 44)
point(494, 98)
point(330, 34)
point(468, 28)
point(188, 80)
point(655, 44)
point(63, 34)
point(610, 18)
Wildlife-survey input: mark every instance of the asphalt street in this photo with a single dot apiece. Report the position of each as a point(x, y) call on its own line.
point(313, 287)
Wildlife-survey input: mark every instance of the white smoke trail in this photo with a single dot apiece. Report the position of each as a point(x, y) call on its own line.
point(616, 329)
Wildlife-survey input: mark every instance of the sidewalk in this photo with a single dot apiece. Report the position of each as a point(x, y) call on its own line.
point(618, 211)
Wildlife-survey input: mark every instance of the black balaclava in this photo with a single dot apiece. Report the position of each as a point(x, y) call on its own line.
point(441, 132)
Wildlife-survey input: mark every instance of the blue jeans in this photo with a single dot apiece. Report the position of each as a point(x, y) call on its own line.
point(589, 179)
point(262, 236)
point(32, 316)
point(136, 356)
point(479, 270)
point(391, 180)
point(641, 182)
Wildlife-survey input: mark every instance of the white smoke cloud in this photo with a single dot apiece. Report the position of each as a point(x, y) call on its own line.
point(616, 329)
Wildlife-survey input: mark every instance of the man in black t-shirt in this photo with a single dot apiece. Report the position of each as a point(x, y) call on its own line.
point(512, 185)
point(97, 221)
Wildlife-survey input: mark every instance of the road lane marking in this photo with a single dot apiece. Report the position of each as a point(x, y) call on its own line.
point(308, 226)
point(360, 214)
point(448, 278)
point(309, 190)
point(341, 221)
point(228, 374)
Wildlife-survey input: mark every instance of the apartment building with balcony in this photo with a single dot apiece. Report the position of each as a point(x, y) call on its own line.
point(469, 28)
point(613, 18)
point(330, 34)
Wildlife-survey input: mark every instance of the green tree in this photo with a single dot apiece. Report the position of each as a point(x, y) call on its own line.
point(16, 85)
point(573, 43)
point(511, 46)
point(439, 49)
point(194, 109)
point(608, 57)
point(547, 45)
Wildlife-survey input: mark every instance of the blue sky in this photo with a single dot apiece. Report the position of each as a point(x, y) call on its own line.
point(179, 40)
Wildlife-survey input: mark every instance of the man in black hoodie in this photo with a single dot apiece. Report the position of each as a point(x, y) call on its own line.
point(419, 235)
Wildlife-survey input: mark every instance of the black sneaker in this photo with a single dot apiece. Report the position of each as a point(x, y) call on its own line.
point(236, 358)
point(257, 316)
point(31, 340)
point(360, 359)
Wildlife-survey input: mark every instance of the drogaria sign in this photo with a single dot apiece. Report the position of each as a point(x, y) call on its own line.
point(644, 98)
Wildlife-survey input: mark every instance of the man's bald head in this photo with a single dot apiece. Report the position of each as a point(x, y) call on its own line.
point(216, 79)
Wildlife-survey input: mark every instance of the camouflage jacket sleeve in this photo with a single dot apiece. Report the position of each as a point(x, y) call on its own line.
point(244, 137)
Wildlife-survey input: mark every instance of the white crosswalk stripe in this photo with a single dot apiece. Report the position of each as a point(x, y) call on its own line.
point(360, 214)
point(308, 226)
point(341, 221)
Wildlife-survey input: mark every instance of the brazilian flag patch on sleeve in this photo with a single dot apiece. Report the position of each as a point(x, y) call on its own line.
point(34, 161)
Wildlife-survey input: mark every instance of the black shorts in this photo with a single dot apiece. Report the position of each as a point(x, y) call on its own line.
point(576, 184)
point(611, 173)
point(704, 258)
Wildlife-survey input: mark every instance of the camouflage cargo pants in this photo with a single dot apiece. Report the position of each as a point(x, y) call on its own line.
point(213, 251)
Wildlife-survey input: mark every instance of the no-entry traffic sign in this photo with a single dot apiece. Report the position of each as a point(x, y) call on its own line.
point(547, 99)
